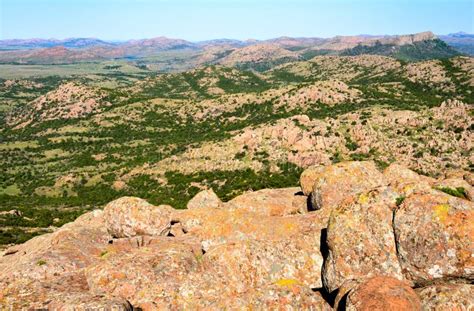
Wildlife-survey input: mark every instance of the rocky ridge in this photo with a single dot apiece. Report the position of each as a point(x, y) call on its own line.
point(352, 237)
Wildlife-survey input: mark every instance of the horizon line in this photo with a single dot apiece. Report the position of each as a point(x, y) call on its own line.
point(228, 38)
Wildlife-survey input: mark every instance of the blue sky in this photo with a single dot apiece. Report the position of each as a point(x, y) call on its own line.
point(239, 19)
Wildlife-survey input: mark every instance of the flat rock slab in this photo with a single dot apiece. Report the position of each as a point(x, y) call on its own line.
point(148, 275)
point(271, 202)
point(47, 271)
point(218, 226)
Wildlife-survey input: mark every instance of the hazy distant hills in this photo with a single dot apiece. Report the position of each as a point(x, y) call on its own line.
point(461, 41)
point(21, 44)
point(246, 54)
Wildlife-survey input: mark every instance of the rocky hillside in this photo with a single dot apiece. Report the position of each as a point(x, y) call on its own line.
point(70, 144)
point(351, 238)
point(68, 101)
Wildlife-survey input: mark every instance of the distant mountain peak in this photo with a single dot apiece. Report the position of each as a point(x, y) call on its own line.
point(461, 34)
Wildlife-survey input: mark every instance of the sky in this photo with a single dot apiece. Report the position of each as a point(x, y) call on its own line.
point(197, 20)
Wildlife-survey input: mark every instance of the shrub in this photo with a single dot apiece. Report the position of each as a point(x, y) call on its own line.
point(400, 200)
point(459, 192)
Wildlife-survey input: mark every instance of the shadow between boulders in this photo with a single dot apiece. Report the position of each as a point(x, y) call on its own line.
point(309, 205)
point(323, 244)
point(324, 249)
point(342, 303)
point(130, 307)
point(330, 298)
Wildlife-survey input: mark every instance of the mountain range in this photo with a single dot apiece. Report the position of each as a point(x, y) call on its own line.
point(258, 54)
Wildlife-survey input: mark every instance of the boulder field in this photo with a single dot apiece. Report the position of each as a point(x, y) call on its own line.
point(351, 238)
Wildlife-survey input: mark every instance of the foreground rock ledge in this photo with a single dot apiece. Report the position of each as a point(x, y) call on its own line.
point(366, 241)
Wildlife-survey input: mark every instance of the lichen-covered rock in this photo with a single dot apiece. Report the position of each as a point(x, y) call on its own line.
point(205, 198)
point(250, 249)
point(49, 268)
point(405, 181)
point(68, 294)
point(146, 272)
point(256, 275)
point(382, 293)
point(398, 173)
point(245, 267)
point(271, 202)
point(129, 216)
point(285, 295)
point(301, 234)
point(253, 263)
point(63, 251)
point(342, 180)
point(447, 297)
point(309, 177)
point(90, 302)
point(361, 240)
point(435, 237)
point(262, 250)
point(218, 226)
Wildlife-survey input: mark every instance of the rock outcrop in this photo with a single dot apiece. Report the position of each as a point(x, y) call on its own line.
point(69, 101)
point(434, 233)
point(148, 274)
point(405, 181)
point(47, 271)
point(391, 241)
point(128, 217)
point(336, 182)
point(205, 198)
point(360, 239)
